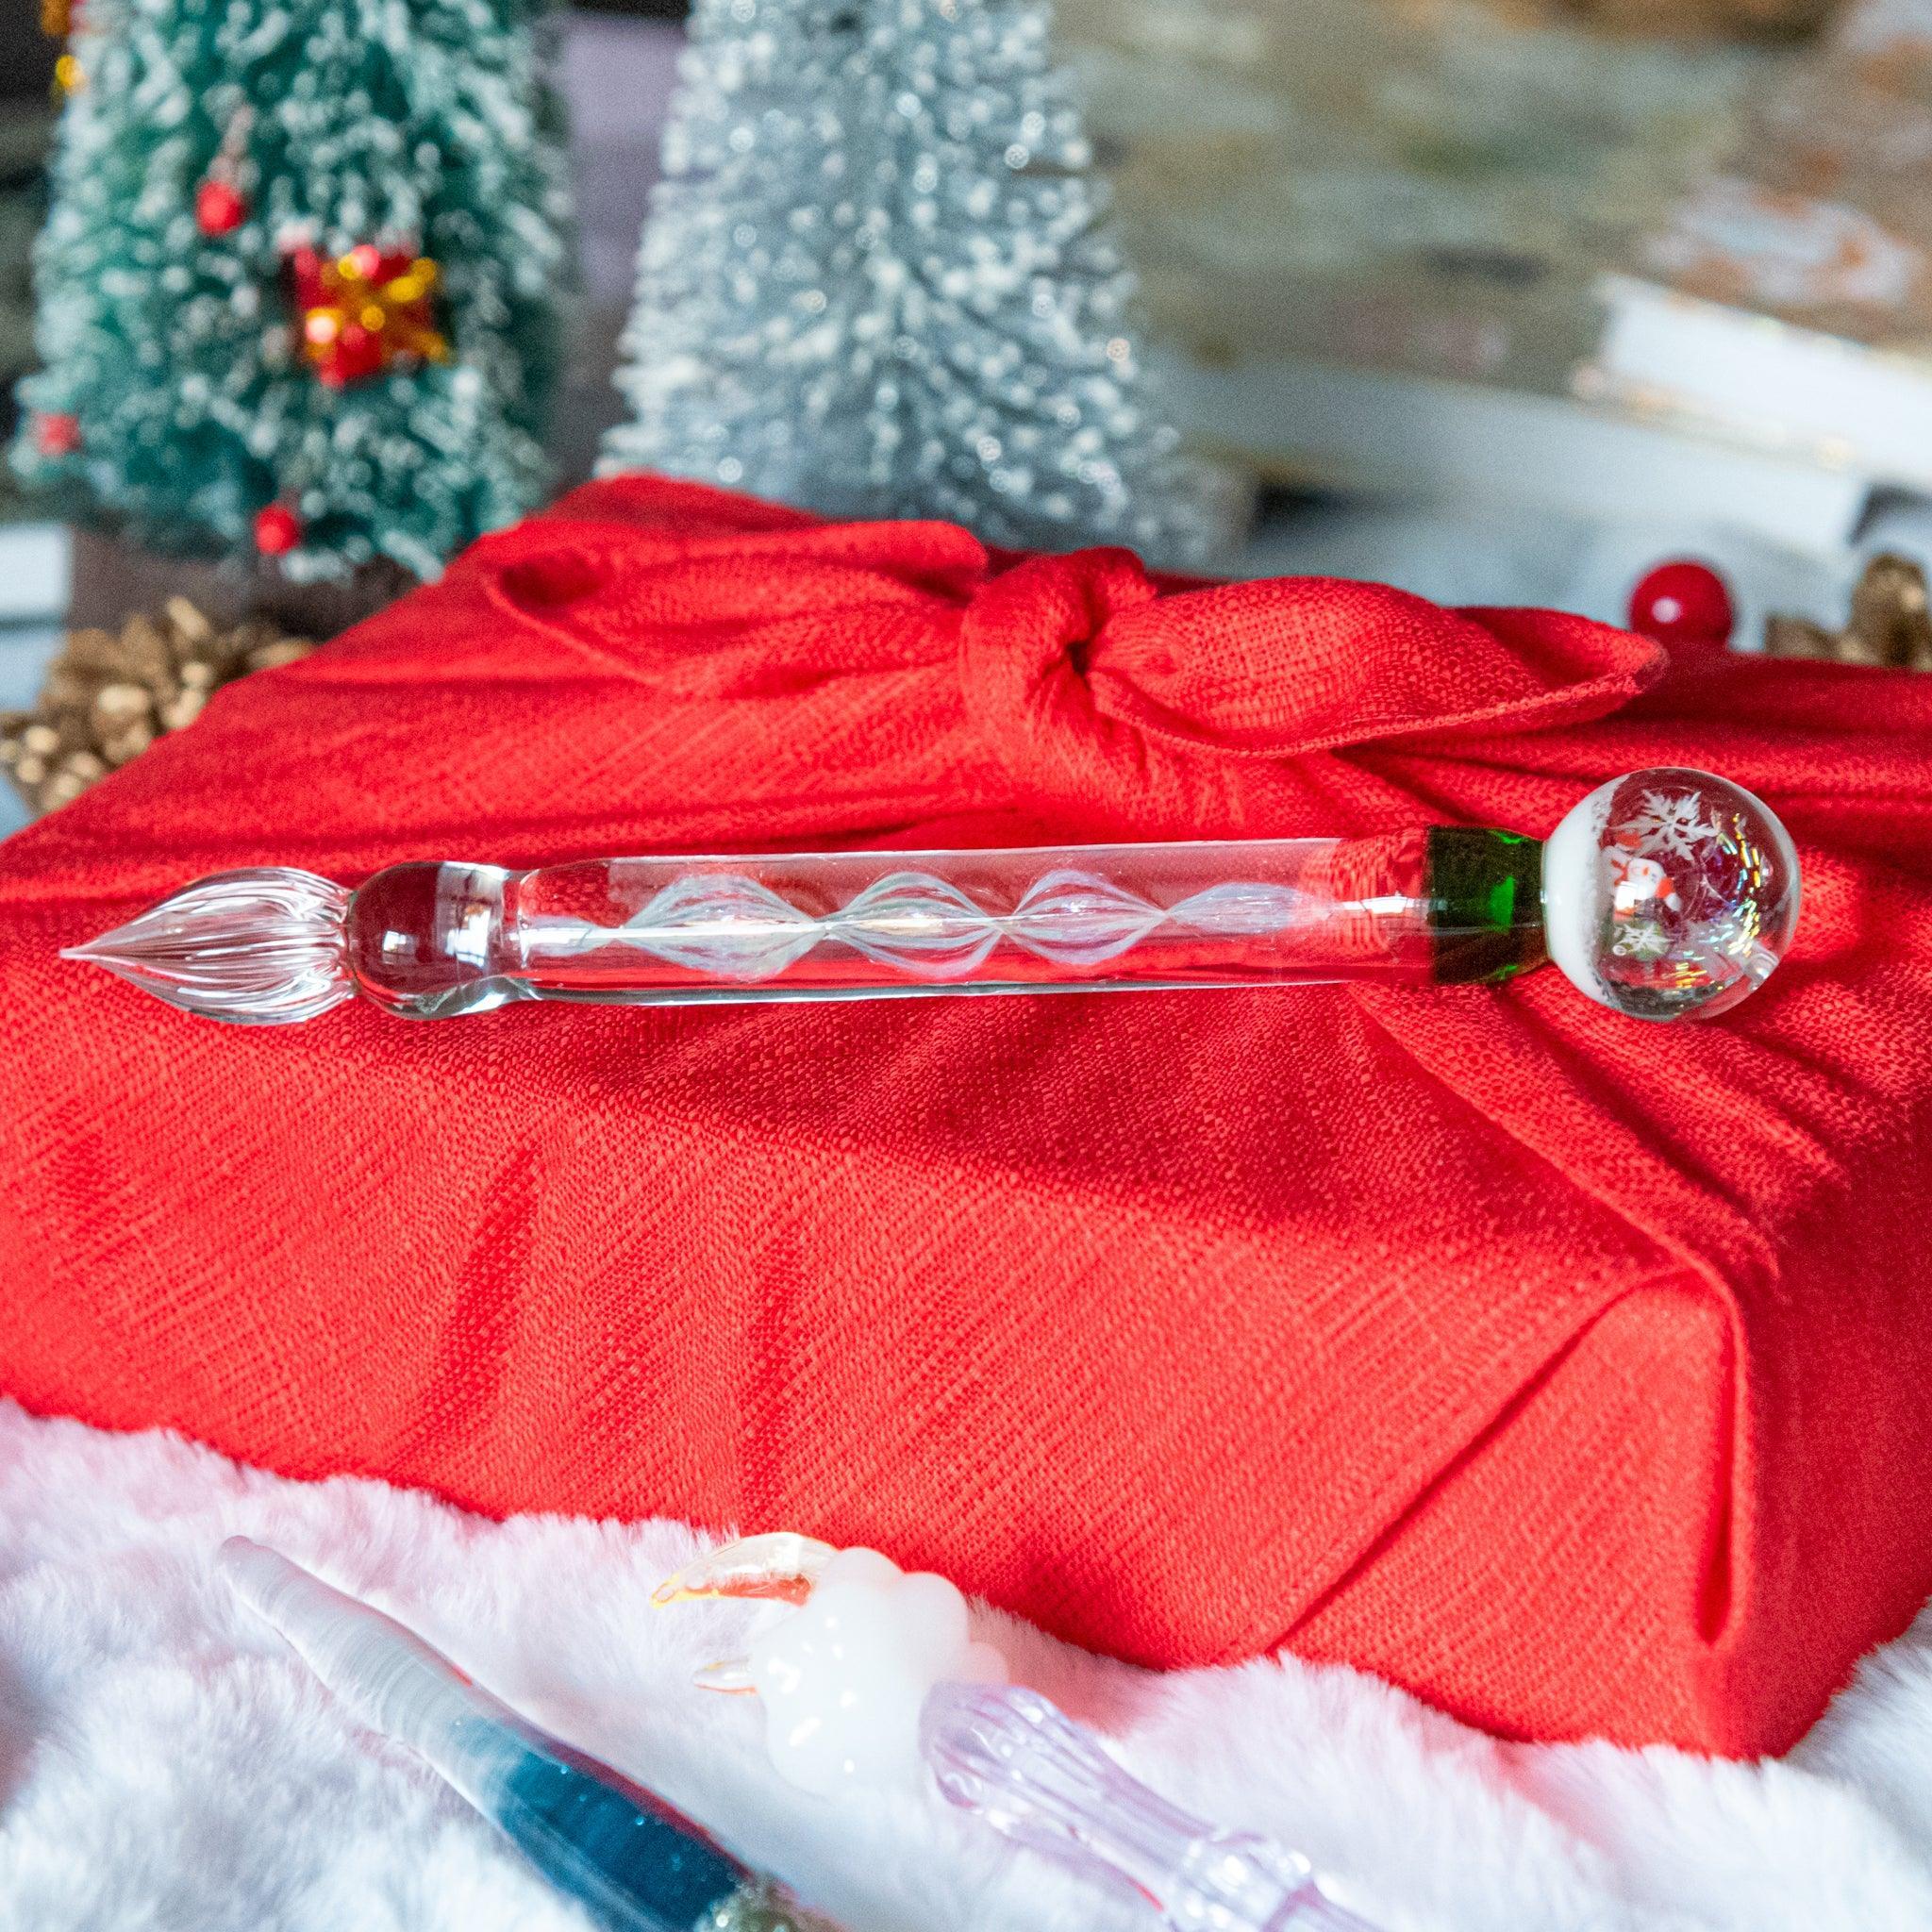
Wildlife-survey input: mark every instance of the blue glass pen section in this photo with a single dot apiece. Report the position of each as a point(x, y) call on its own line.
point(636, 1862)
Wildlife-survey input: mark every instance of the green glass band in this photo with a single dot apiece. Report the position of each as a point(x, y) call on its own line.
point(1485, 890)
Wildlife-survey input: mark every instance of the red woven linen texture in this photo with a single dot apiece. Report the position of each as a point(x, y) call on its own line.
point(1567, 1370)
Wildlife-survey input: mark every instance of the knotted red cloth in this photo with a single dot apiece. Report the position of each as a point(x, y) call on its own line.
point(1568, 1369)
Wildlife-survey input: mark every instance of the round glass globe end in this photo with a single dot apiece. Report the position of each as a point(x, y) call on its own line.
point(1670, 893)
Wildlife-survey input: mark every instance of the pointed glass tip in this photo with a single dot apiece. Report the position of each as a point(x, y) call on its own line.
point(262, 947)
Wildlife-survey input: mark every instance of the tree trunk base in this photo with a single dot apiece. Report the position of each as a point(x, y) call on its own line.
point(113, 579)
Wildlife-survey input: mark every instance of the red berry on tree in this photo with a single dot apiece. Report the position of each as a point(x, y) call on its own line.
point(1683, 602)
point(277, 530)
point(219, 208)
point(57, 435)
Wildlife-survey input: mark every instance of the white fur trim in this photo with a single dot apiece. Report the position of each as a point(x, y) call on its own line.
point(166, 1766)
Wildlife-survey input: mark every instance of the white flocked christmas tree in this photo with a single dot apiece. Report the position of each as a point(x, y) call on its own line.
point(880, 279)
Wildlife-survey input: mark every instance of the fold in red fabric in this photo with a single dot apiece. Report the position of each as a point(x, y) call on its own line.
point(1566, 1370)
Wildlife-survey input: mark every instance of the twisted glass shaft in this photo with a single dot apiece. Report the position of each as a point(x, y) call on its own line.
point(431, 939)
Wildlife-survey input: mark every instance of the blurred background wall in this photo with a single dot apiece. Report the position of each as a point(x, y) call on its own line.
point(1502, 300)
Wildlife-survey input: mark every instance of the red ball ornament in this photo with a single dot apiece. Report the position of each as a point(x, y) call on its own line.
point(219, 208)
point(1683, 602)
point(57, 435)
point(277, 530)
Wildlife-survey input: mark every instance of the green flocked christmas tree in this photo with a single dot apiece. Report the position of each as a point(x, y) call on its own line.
point(301, 287)
point(880, 279)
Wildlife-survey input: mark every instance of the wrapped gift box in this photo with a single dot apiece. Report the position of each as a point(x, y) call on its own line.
point(1567, 1370)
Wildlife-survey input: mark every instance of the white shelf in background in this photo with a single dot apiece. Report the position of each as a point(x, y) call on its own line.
point(1826, 399)
point(36, 573)
point(1423, 437)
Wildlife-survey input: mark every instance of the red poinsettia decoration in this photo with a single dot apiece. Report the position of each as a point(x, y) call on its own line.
point(365, 312)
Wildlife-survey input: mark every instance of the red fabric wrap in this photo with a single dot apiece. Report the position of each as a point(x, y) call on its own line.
point(1568, 1369)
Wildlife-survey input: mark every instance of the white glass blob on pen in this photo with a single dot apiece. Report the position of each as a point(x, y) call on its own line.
point(866, 1647)
point(1663, 894)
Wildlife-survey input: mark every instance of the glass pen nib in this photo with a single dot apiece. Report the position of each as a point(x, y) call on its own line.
point(262, 947)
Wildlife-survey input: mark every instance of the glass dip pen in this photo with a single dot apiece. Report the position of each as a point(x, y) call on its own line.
point(1663, 894)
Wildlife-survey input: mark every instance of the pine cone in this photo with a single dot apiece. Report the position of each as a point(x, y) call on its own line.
point(109, 696)
point(1890, 622)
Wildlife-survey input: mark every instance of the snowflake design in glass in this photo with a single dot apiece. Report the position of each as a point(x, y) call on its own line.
point(1669, 825)
point(1643, 939)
